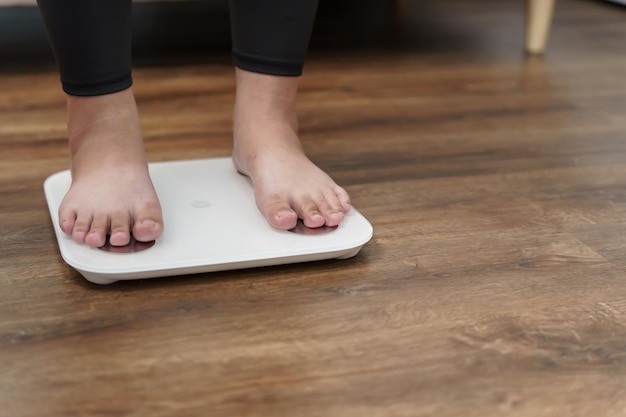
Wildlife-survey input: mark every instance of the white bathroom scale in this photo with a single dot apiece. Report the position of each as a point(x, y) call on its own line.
point(211, 224)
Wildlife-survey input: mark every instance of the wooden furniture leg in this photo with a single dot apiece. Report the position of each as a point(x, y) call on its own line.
point(538, 23)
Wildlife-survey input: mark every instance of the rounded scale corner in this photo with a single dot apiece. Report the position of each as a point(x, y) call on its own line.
point(367, 232)
point(354, 250)
point(84, 270)
point(54, 177)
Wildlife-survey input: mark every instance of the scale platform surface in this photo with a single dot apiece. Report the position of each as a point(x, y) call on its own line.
point(211, 224)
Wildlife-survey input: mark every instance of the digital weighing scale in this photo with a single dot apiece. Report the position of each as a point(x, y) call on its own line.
point(211, 224)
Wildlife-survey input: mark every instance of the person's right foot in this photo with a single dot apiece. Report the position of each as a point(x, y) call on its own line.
point(111, 193)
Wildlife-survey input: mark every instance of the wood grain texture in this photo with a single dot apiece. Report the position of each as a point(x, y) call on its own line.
point(495, 283)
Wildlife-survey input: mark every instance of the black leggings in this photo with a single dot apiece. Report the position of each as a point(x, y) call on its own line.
point(91, 40)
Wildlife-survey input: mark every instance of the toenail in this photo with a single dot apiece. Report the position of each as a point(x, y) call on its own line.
point(283, 213)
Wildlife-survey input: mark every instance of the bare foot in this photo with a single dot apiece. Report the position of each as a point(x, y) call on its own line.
point(111, 191)
point(287, 185)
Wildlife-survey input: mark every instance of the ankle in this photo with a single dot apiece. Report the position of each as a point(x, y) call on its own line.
point(267, 97)
point(85, 113)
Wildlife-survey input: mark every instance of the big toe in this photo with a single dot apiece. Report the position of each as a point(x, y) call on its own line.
point(279, 213)
point(148, 223)
point(147, 230)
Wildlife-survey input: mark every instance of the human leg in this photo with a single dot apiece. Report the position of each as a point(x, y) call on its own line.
point(111, 191)
point(270, 41)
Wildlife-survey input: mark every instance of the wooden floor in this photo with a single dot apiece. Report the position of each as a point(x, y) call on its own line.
point(495, 283)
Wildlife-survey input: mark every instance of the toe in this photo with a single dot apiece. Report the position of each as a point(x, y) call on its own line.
point(332, 210)
point(148, 223)
point(309, 212)
point(98, 230)
point(120, 228)
point(67, 218)
point(81, 226)
point(343, 198)
point(333, 218)
point(279, 213)
point(147, 230)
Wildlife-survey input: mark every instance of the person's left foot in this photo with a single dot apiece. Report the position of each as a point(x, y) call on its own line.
point(287, 184)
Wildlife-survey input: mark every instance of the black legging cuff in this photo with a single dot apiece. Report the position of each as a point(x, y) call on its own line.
point(271, 36)
point(103, 87)
point(91, 40)
point(265, 65)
